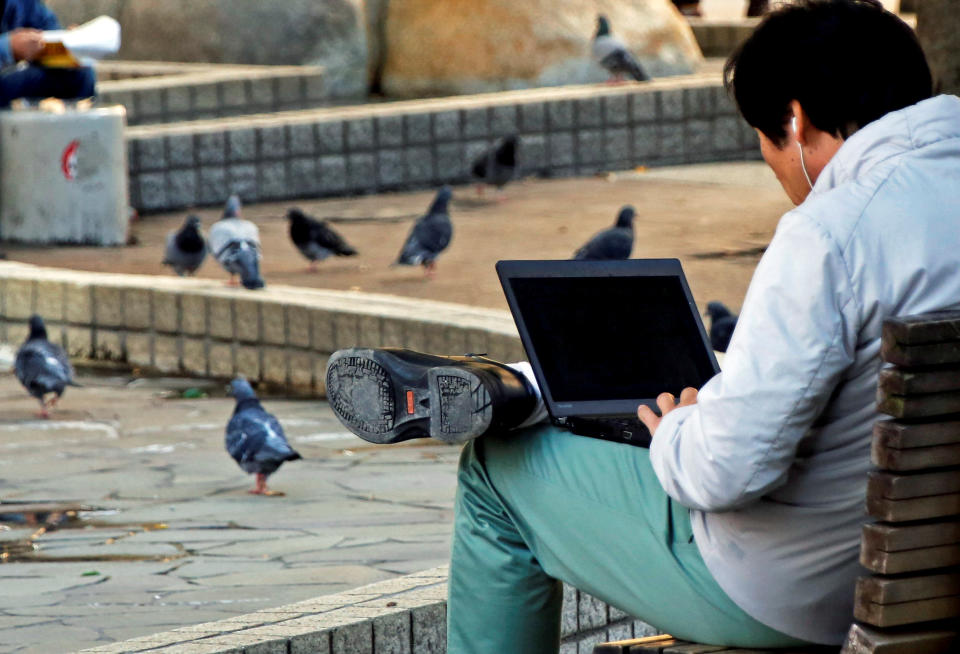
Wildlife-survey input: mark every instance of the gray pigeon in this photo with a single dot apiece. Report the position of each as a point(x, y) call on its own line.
point(43, 367)
point(722, 324)
point(235, 243)
point(254, 438)
point(498, 164)
point(611, 53)
point(613, 243)
point(430, 235)
point(315, 239)
point(186, 247)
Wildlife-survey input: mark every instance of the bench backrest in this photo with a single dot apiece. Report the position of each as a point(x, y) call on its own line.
point(911, 601)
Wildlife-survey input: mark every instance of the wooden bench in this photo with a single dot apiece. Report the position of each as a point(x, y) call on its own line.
point(910, 601)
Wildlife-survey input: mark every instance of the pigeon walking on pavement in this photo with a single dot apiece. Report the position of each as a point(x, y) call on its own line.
point(43, 367)
point(235, 243)
point(315, 239)
point(722, 324)
point(612, 243)
point(430, 235)
point(255, 439)
point(497, 165)
point(186, 247)
point(611, 53)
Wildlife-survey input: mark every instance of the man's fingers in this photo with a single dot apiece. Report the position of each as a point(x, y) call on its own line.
point(648, 418)
point(666, 403)
point(688, 396)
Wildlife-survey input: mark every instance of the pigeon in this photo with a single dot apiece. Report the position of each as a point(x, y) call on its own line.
point(722, 324)
point(43, 367)
point(611, 53)
point(254, 438)
point(235, 243)
point(613, 243)
point(186, 247)
point(498, 164)
point(315, 239)
point(430, 235)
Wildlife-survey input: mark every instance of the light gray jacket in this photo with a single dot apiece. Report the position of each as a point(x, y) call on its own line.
point(773, 459)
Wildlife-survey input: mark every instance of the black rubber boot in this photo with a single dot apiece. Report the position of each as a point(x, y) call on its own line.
point(388, 395)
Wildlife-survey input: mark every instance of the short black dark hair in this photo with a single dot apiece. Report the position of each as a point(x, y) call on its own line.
point(847, 62)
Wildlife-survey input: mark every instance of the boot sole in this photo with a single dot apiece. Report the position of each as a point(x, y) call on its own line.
point(383, 398)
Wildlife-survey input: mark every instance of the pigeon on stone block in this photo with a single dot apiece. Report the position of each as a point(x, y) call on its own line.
point(255, 439)
point(430, 235)
point(498, 165)
point(611, 53)
point(315, 239)
point(612, 243)
point(722, 324)
point(43, 367)
point(235, 243)
point(186, 247)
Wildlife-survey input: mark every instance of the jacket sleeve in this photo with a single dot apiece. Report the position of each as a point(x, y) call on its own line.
point(42, 17)
point(794, 339)
point(6, 52)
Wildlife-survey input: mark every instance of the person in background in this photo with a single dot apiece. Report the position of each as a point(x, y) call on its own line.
point(22, 23)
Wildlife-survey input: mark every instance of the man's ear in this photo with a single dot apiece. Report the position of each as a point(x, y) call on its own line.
point(800, 122)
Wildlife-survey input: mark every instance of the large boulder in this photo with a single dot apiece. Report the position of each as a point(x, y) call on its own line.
point(439, 47)
point(329, 33)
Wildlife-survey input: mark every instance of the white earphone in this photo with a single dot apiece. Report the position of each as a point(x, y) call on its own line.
point(793, 124)
point(803, 165)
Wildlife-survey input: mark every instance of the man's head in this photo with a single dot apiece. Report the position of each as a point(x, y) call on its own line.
point(847, 62)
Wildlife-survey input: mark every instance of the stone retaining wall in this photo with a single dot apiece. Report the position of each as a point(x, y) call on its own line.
point(281, 336)
point(421, 144)
point(406, 615)
point(159, 92)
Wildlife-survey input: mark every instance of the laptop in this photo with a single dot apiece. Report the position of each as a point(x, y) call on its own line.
point(604, 337)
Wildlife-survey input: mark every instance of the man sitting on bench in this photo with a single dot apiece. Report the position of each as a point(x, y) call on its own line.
point(740, 525)
point(22, 23)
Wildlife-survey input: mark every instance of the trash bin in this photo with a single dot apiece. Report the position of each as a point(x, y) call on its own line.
point(63, 176)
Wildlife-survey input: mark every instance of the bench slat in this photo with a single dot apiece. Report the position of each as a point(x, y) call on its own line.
point(919, 508)
point(895, 615)
point(899, 435)
point(897, 381)
point(923, 328)
point(919, 406)
point(863, 639)
point(893, 590)
point(915, 458)
point(927, 558)
point(896, 538)
point(915, 356)
point(623, 646)
point(898, 487)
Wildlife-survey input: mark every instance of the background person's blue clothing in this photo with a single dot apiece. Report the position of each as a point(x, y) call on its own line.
point(34, 81)
point(40, 82)
point(23, 13)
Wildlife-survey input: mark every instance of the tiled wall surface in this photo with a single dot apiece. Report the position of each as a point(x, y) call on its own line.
point(166, 93)
point(282, 336)
point(406, 615)
point(421, 144)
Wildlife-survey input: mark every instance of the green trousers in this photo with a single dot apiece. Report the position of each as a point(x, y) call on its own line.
point(540, 505)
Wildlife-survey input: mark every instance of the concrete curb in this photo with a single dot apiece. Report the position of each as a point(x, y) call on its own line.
point(282, 336)
point(405, 615)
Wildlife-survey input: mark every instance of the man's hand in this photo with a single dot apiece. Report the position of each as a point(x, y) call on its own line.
point(26, 43)
point(666, 403)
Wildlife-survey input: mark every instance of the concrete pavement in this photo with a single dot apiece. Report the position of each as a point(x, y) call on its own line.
point(172, 537)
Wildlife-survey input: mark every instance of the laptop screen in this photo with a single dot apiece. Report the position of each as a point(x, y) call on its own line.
point(604, 338)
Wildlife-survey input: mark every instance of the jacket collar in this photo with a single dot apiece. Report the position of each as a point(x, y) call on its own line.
point(896, 133)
